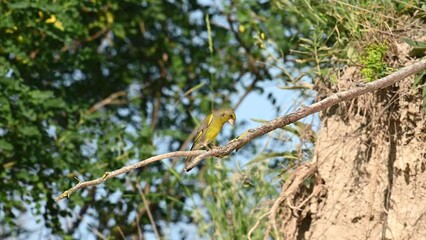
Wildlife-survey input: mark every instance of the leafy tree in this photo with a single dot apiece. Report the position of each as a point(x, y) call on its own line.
point(89, 86)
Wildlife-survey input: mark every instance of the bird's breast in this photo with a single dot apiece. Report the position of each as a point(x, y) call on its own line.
point(213, 131)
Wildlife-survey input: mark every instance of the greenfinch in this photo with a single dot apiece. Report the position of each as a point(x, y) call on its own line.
point(209, 129)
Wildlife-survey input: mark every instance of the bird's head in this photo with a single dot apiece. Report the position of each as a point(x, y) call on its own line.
point(227, 115)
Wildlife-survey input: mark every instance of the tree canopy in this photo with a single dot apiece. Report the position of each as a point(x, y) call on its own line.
point(90, 86)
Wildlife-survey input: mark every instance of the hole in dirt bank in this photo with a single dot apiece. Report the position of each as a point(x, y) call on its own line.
point(356, 219)
point(305, 225)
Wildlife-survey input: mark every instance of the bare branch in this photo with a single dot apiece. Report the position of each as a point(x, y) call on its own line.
point(111, 99)
point(306, 111)
point(148, 211)
point(126, 169)
point(263, 129)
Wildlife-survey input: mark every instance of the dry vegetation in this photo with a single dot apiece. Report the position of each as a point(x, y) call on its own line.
point(368, 174)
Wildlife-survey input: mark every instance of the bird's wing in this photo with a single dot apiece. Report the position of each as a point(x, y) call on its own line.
point(201, 131)
point(199, 138)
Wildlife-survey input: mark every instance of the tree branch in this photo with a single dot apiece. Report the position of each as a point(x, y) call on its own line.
point(111, 99)
point(263, 129)
point(306, 111)
point(125, 169)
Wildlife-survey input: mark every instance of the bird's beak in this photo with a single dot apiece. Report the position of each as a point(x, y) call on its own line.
point(231, 121)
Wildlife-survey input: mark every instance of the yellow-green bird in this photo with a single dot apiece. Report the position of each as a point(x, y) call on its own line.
point(209, 129)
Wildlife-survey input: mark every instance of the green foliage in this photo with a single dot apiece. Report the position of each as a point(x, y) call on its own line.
point(341, 31)
point(325, 45)
point(418, 50)
point(233, 201)
point(419, 47)
point(90, 86)
point(27, 147)
point(374, 66)
point(420, 82)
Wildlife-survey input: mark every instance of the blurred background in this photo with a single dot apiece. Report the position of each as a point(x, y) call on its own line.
point(90, 86)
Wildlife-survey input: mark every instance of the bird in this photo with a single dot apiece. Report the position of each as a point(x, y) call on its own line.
point(209, 129)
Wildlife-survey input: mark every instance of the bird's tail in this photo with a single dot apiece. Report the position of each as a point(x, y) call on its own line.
point(188, 161)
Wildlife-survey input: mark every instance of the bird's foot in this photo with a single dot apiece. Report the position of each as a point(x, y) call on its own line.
point(214, 147)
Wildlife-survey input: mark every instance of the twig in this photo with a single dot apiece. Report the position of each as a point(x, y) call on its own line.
point(121, 233)
point(256, 225)
point(138, 226)
point(316, 107)
point(148, 211)
point(315, 192)
point(126, 169)
point(265, 128)
point(109, 100)
point(97, 233)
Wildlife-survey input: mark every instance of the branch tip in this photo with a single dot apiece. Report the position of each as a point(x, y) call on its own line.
point(265, 128)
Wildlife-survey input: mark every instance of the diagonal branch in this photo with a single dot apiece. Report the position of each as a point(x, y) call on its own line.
point(263, 129)
point(306, 111)
point(111, 99)
point(126, 169)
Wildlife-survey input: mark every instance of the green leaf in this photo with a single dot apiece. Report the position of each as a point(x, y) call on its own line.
point(424, 98)
point(29, 131)
point(419, 47)
point(267, 156)
point(41, 95)
point(5, 146)
point(419, 79)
